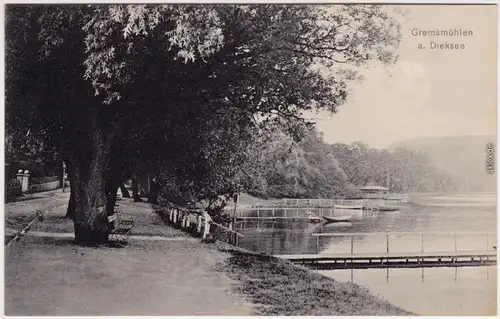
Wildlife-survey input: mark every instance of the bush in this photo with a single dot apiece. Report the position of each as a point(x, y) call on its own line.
point(13, 189)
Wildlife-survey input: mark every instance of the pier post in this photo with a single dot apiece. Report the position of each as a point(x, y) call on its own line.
point(317, 245)
point(422, 241)
point(352, 244)
point(387, 242)
point(198, 227)
point(206, 228)
point(455, 237)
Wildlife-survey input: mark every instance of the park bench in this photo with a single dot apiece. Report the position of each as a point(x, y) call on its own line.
point(120, 228)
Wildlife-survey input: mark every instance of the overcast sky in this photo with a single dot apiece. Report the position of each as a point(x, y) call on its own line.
point(427, 93)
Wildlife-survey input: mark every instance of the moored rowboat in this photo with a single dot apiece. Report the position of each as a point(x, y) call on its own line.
point(387, 208)
point(337, 219)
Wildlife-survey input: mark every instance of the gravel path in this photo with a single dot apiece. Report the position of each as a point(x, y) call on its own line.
point(161, 273)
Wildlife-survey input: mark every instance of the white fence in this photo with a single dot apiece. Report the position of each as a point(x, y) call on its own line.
point(201, 224)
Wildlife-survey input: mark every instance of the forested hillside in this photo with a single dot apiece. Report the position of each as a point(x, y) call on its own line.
point(312, 168)
point(462, 157)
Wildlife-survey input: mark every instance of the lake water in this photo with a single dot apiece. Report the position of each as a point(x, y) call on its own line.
point(425, 291)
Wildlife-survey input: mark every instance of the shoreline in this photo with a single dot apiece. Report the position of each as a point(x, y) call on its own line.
point(279, 288)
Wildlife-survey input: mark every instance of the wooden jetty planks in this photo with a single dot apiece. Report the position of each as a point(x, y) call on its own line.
point(361, 256)
point(393, 260)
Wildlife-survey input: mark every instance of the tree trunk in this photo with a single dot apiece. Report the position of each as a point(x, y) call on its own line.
point(70, 212)
point(111, 188)
point(135, 189)
point(124, 190)
point(89, 163)
point(153, 192)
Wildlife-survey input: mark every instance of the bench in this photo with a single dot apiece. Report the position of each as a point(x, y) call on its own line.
point(120, 228)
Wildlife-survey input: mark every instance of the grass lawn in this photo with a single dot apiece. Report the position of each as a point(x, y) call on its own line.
point(54, 277)
point(281, 288)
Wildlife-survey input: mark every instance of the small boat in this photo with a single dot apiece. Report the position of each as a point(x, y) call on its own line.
point(337, 219)
point(328, 225)
point(348, 206)
point(387, 208)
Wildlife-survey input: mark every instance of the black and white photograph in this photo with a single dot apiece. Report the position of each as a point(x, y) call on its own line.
point(250, 159)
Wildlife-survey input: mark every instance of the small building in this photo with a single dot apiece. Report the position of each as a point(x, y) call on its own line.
point(374, 191)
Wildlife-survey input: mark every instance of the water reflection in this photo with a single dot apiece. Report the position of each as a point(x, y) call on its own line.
point(462, 291)
point(425, 291)
point(448, 274)
point(296, 237)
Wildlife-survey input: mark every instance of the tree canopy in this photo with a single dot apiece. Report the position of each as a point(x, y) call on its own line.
point(179, 89)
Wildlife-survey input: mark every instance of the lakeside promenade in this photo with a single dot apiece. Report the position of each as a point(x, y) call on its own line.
point(163, 271)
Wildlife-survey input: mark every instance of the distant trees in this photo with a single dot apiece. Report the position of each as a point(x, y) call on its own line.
point(312, 168)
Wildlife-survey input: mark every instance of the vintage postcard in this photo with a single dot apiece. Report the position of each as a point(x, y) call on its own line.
point(250, 159)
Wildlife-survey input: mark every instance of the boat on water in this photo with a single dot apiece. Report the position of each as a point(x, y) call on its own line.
point(337, 219)
point(384, 208)
point(327, 225)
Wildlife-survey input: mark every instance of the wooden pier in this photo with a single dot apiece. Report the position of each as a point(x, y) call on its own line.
point(395, 260)
point(391, 259)
point(330, 203)
point(296, 208)
point(292, 213)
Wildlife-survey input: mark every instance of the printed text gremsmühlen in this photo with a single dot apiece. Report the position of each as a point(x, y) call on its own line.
point(454, 32)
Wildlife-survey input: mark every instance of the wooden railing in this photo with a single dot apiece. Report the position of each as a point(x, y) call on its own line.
point(201, 223)
point(329, 203)
point(489, 245)
point(291, 202)
point(39, 216)
point(279, 213)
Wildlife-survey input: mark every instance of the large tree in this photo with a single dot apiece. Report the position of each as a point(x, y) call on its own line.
point(91, 74)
